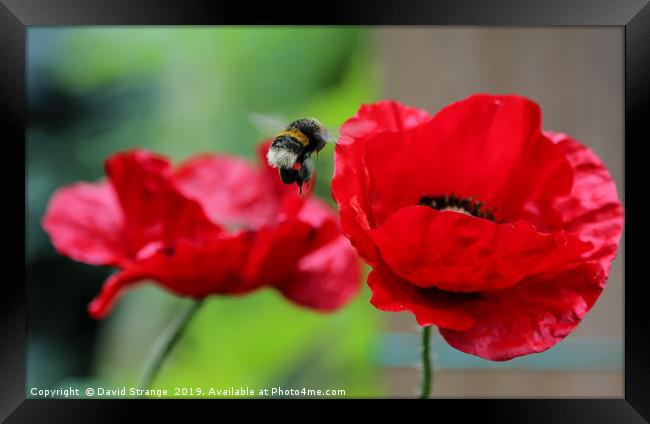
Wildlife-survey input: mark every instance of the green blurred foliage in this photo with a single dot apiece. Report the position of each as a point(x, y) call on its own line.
point(181, 91)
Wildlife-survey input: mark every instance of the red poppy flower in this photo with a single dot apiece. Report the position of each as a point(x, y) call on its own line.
point(477, 221)
point(215, 225)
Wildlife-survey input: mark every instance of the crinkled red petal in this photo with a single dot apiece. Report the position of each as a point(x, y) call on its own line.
point(530, 317)
point(593, 210)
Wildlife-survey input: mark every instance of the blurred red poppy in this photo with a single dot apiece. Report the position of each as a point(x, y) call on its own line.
point(477, 221)
point(215, 225)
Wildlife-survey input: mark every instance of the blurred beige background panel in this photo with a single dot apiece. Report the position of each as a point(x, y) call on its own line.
point(576, 75)
point(404, 382)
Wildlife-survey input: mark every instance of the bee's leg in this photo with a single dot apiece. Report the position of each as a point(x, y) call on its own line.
point(289, 175)
point(306, 169)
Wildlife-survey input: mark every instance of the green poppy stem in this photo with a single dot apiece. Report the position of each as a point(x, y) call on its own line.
point(427, 377)
point(166, 342)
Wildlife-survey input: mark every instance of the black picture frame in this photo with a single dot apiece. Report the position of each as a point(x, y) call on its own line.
point(633, 15)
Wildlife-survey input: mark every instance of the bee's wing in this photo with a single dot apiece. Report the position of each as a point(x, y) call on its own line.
point(267, 124)
point(332, 134)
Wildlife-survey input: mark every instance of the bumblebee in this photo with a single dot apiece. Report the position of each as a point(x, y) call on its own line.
point(292, 147)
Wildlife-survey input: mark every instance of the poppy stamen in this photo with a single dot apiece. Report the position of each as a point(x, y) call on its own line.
point(465, 205)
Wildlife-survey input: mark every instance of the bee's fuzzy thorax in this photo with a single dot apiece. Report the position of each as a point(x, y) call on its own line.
point(281, 158)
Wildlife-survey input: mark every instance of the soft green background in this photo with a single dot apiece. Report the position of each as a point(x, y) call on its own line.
point(182, 91)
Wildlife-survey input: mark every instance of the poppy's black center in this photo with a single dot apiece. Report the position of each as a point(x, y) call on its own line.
point(465, 205)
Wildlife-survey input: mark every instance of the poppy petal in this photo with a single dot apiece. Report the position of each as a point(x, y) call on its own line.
point(275, 253)
point(185, 268)
point(84, 222)
point(232, 192)
point(460, 253)
point(112, 289)
point(320, 216)
point(446, 156)
point(542, 175)
point(382, 116)
point(350, 181)
point(430, 306)
point(326, 278)
point(328, 275)
point(154, 209)
point(530, 317)
point(593, 210)
point(349, 190)
point(278, 249)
